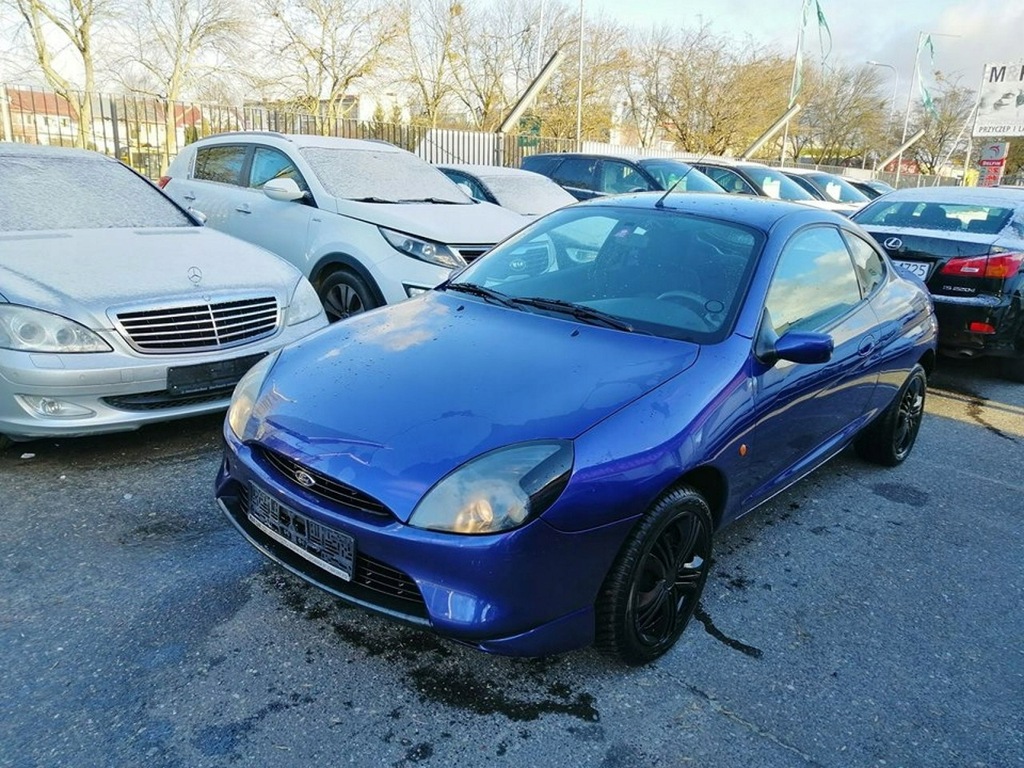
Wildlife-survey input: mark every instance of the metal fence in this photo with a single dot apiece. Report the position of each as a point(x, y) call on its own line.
point(146, 132)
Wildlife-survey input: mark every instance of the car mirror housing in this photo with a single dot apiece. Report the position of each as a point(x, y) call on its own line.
point(283, 190)
point(803, 347)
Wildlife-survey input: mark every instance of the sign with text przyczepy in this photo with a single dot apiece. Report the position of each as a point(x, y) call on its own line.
point(1001, 101)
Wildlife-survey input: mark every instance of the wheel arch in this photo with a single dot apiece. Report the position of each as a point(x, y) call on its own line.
point(333, 262)
point(927, 361)
point(710, 483)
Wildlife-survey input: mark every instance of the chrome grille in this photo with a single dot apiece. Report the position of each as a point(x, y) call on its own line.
point(324, 486)
point(471, 253)
point(199, 327)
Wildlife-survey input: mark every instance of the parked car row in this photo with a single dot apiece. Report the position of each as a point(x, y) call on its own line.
point(596, 391)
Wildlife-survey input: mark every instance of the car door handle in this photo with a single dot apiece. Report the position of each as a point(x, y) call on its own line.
point(243, 208)
point(866, 346)
point(190, 196)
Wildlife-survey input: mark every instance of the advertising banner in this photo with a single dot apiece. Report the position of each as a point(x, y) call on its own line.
point(1001, 101)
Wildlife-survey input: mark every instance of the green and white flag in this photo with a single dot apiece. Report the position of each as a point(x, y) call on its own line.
point(798, 62)
point(926, 97)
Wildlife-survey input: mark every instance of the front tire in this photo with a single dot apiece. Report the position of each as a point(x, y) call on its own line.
point(345, 294)
point(889, 439)
point(654, 586)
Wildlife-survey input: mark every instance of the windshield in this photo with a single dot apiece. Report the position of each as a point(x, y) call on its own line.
point(656, 270)
point(381, 175)
point(837, 189)
point(776, 184)
point(79, 192)
point(668, 172)
point(956, 217)
point(527, 193)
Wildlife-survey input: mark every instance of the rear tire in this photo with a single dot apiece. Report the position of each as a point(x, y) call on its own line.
point(889, 439)
point(654, 586)
point(345, 294)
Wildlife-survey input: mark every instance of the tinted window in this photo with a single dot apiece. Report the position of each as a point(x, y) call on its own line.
point(669, 172)
point(776, 184)
point(730, 181)
point(76, 192)
point(966, 217)
point(665, 273)
point(838, 189)
point(867, 263)
point(617, 177)
point(814, 282)
point(468, 184)
point(579, 172)
point(270, 164)
point(220, 163)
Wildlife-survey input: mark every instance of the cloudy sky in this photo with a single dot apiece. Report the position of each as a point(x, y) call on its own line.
point(884, 30)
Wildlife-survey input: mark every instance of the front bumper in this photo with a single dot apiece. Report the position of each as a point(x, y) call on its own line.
point(955, 315)
point(528, 592)
point(114, 391)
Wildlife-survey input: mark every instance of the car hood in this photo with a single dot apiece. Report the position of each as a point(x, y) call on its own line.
point(393, 400)
point(469, 224)
point(83, 273)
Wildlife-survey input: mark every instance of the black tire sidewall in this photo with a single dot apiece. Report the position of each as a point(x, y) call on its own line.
point(353, 281)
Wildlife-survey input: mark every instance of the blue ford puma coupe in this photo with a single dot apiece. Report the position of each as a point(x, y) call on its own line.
point(535, 456)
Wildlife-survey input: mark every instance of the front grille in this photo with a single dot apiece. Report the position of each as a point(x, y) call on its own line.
point(369, 573)
point(471, 253)
point(324, 486)
point(199, 327)
point(158, 401)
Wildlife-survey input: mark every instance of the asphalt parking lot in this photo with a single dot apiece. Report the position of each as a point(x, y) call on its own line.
point(865, 617)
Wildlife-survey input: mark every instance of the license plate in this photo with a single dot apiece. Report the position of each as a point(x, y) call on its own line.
point(915, 268)
point(207, 377)
point(325, 547)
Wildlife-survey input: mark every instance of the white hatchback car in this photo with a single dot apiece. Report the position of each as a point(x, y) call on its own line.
point(367, 222)
point(117, 307)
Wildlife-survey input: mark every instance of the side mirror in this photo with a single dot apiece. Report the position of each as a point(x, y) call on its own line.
point(283, 190)
point(800, 347)
point(197, 215)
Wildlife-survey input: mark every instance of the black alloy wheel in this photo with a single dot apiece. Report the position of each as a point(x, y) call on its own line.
point(889, 439)
point(344, 294)
point(655, 585)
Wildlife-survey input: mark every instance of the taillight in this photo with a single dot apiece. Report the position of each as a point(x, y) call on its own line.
point(999, 266)
point(162, 181)
point(978, 327)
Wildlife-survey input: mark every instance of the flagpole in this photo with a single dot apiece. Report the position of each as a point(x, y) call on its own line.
point(910, 99)
point(796, 77)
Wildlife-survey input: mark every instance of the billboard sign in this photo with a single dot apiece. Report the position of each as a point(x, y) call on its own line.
point(992, 162)
point(1001, 101)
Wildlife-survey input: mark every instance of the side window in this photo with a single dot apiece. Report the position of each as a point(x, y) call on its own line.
point(730, 181)
point(469, 185)
point(579, 172)
point(618, 177)
point(221, 163)
point(867, 263)
point(814, 282)
point(270, 164)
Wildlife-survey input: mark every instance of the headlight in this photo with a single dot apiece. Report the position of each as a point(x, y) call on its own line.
point(498, 491)
point(305, 304)
point(246, 391)
point(424, 250)
point(32, 330)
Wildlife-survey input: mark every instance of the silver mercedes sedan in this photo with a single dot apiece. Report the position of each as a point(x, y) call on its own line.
point(117, 307)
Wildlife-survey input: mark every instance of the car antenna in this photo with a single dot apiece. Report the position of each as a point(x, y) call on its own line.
point(661, 200)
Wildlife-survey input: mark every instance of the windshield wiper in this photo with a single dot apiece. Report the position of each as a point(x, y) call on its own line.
point(436, 200)
point(485, 293)
point(579, 311)
point(374, 200)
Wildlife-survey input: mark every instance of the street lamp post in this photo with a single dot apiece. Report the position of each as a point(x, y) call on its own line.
point(579, 90)
point(895, 87)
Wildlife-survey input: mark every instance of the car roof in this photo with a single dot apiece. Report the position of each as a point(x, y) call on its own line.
point(806, 171)
point(13, 149)
point(728, 162)
point(758, 212)
point(305, 140)
point(611, 156)
point(962, 195)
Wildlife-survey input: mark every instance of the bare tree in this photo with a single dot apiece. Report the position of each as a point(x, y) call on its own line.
point(493, 54)
point(643, 82)
point(946, 130)
point(54, 25)
point(168, 47)
point(427, 51)
point(315, 51)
